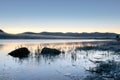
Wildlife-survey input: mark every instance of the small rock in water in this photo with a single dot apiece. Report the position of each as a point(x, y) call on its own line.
point(50, 51)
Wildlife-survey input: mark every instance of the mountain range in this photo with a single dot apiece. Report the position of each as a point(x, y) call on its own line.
point(57, 35)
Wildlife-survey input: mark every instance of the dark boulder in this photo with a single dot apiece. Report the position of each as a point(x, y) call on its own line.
point(50, 51)
point(117, 38)
point(20, 52)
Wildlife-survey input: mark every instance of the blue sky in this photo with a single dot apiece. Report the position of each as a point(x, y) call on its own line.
point(60, 15)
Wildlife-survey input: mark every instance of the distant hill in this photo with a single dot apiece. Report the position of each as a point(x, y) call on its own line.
point(57, 35)
point(1, 31)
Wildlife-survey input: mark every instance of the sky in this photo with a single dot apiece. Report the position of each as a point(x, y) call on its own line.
point(17, 16)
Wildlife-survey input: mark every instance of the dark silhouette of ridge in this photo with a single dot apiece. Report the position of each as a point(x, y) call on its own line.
point(1, 31)
point(57, 35)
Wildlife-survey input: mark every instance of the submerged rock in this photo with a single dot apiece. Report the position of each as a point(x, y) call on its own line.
point(20, 52)
point(50, 51)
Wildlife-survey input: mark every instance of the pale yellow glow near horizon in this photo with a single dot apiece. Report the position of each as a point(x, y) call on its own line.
point(58, 29)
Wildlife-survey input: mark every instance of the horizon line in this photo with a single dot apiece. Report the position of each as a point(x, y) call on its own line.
point(10, 32)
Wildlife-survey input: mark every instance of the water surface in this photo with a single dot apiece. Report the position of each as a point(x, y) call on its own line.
point(73, 64)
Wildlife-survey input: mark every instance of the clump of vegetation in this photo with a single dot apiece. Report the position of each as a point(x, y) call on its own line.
point(86, 48)
point(106, 70)
point(108, 46)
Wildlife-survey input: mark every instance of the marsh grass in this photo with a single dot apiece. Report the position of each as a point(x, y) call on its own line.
point(108, 46)
point(103, 70)
point(106, 70)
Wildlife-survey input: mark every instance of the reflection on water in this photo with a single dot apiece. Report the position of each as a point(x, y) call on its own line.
point(71, 64)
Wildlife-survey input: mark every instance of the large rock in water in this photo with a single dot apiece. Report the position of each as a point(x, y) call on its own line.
point(50, 51)
point(20, 52)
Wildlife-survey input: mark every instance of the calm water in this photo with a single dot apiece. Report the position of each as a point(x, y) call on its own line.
point(70, 65)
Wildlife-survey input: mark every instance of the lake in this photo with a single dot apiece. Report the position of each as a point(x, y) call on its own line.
point(73, 63)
